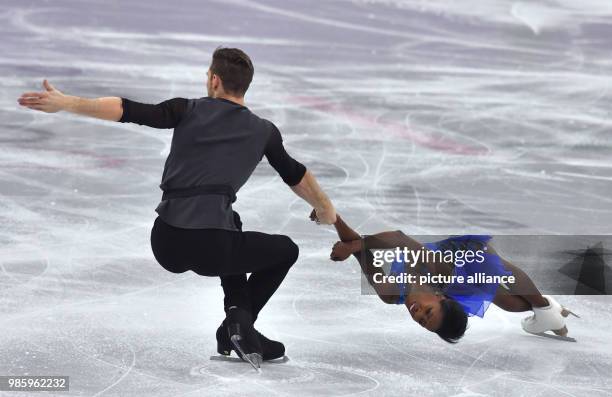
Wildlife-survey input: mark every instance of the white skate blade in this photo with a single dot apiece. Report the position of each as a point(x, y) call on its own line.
point(557, 337)
point(226, 358)
point(252, 358)
point(280, 360)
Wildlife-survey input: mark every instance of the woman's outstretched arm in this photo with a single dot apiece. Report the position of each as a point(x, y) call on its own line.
point(345, 233)
point(352, 244)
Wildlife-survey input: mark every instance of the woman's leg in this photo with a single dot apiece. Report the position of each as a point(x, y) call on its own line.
point(510, 303)
point(523, 288)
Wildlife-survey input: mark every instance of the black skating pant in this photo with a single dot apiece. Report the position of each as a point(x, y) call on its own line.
point(229, 255)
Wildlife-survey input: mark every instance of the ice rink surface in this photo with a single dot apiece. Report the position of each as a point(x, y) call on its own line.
point(434, 117)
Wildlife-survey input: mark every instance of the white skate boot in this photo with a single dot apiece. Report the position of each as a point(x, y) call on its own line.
point(548, 318)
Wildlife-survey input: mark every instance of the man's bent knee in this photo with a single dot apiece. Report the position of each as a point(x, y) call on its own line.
point(291, 250)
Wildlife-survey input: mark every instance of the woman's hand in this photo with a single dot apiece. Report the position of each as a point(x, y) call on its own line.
point(342, 250)
point(49, 101)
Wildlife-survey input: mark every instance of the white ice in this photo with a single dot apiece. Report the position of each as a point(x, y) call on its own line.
point(434, 117)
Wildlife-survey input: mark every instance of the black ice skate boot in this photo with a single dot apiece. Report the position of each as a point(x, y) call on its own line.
point(243, 339)
point(271, 349)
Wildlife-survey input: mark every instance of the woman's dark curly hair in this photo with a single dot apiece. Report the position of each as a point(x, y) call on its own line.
point(454, 321)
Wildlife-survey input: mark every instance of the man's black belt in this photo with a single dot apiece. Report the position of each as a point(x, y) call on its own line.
point(224, 190)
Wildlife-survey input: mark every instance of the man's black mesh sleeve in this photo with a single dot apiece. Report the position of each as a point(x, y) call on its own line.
point(287, 167)
point(166, 114)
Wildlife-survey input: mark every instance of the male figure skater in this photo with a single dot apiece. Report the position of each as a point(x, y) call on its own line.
point(216, 145)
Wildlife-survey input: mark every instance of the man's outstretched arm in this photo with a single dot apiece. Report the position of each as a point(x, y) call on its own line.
point(310, 191)
point(166, 114)
point(51, 100)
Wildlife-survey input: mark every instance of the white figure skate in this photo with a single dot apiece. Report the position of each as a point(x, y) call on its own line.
point(548, 318)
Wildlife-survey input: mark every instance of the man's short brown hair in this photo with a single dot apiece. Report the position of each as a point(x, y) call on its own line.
point(235, 69)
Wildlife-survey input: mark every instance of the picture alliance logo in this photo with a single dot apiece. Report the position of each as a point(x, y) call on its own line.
point(410, 257)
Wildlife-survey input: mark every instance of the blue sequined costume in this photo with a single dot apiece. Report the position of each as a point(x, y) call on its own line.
point(474, 298)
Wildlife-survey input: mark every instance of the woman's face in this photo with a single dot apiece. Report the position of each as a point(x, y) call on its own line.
point(425, 309)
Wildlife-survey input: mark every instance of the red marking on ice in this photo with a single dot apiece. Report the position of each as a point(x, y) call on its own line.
point(102, 161)
point(443, 144)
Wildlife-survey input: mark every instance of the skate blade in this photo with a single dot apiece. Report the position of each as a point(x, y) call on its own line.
point(254, 359)
point(557, 337)
point(280, 360)
point(226, 358)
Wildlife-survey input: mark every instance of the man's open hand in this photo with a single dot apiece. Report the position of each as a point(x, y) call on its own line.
point(50, 101)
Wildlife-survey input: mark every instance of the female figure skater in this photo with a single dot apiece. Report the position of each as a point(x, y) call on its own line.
point(444, 308)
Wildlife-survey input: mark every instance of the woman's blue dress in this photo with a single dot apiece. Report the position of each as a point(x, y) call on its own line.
point(474, 298)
